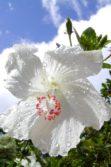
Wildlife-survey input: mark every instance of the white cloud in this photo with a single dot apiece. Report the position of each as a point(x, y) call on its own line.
point(99, 21)
point(10, 6)
point(85, 2)
point(53, 9)
point(77, 7)
point(6, 99)
point(103, 2)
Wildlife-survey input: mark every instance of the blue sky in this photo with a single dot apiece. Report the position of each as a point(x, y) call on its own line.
point(38, 20)
point(23, 19)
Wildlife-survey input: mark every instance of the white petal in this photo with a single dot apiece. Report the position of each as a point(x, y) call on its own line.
point(72, 62)
point(56, 137)
point(21, 66)
point(19, 119)
point(59, 135)
point(88, 106)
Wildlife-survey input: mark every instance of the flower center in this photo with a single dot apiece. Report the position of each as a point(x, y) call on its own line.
point(54, 85)
point(48, 106)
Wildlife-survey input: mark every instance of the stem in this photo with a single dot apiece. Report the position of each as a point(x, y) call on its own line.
point(107, 58)
point(70, 41)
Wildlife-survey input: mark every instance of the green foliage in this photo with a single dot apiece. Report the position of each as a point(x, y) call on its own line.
point(106, 65)
point(90, 41)
point(106, 90)
point(13, 151)
point(7, 150)
point(94, 150)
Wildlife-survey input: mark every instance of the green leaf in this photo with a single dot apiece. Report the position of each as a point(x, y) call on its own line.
point(103, 41)
point(89, 33)
point(106, 65)
point(7, 147)
point(88, 39)
point(99, 37)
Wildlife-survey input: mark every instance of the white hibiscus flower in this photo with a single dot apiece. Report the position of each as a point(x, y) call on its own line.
point(57, 100)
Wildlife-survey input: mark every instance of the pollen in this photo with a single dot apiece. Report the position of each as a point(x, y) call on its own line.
point(54, 84)
point(48, 106)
